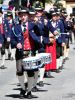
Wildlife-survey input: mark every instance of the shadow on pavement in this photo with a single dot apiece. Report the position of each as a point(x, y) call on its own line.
point(47, 84)
point(39, 90)
point(18, 96)
point(13, 95)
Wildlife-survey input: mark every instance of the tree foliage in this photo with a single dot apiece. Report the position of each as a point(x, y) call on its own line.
point(1, 1)
point(57, 1)
point(48, 1)
point(58, 5)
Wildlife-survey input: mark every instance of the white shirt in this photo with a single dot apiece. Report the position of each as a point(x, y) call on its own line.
point(0, 20)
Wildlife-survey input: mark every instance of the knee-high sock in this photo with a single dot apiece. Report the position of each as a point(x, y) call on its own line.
point(8, 51)
point(13, 53)
point(67, 52)
point(3, 59)
point(26, 77)
point(35, 78)
point(30, 83)
point(58, 63)
point(61, 61)
point(41, 73)
point(64, 51)
point(73, 41)
point(21, 81)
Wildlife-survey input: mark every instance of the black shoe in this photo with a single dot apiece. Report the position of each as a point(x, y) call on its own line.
point(34, 89)
point(61, 67)
point(48, 75)
point(30, 96)
point(67, 58)
point(2, 67)
point(63, 61)
point(58, 71)
point(41, 84)
point(22, 94)
point(26, 86)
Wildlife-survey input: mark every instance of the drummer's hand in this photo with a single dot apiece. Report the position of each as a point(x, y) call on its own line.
point(8, 39)
point(19, 46)
point(55, 32)
point(51, 40)
point(0, 45)
point(63, 44)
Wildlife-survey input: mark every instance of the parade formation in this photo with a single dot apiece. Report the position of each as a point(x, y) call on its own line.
point(40, 40)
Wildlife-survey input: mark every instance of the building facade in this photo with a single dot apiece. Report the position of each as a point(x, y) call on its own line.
point(69, 5)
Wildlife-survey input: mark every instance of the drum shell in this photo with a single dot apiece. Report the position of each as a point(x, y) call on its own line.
point(45, 58)
point(31, 63)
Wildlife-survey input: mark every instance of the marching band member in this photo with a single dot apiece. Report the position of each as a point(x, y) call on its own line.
point(10, 49)
point(67, 35)
point(58, 26)
point(61, 40)
point(35, 36)
point(24, 48)
point(62, 37)
point(50, 48)
point(5, 31)
point(68, 27)
point(40, 24)
point(51, 44)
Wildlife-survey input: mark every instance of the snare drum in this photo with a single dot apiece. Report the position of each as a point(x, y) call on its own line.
point(31, 63)
point(45, 58)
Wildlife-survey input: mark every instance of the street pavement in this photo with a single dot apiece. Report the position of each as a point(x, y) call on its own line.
point(61, 87)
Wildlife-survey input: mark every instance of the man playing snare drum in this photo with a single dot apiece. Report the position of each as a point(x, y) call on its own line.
point(24, 48)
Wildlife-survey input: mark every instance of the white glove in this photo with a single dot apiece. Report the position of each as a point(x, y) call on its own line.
point(8, 39)
point(55, 33)
point(0, 45)
point(63, 44)
point(19, 46)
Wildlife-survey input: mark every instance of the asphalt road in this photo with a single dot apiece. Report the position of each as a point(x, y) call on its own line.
point(61, 87)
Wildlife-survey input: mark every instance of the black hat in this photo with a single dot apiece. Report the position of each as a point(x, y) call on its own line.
point(38, 6)
point(58, 11)
point(9, 14)
point(63, 10)
point(52, 12)
point(1, 10)
point(23, 10)
point(32, 11)
point(65, 14)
